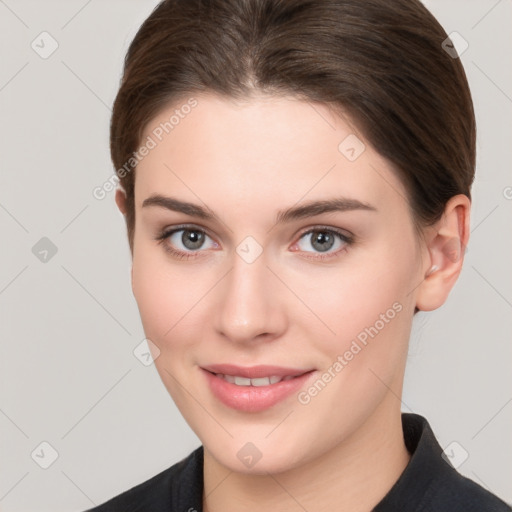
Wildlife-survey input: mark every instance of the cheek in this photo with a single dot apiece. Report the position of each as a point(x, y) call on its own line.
point(161, 295)
point(370, 314)
point(155, 303)
point(364, 302)
point(367, 309)
point(166, 302)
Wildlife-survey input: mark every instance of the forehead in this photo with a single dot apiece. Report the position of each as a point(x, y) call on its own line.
point(266, 149)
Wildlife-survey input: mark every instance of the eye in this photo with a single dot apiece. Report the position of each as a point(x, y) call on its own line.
point(185, 242)
point(326, 242)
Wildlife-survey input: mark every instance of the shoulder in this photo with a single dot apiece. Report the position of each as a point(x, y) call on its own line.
point(430, 483)
point(180, 483)
point(457, 493)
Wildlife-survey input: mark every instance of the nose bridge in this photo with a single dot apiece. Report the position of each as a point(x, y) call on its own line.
point(247, 307)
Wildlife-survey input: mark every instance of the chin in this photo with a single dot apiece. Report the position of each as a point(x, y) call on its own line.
point(250, 460)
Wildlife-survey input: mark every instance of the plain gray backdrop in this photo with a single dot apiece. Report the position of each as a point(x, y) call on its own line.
point(69, 323)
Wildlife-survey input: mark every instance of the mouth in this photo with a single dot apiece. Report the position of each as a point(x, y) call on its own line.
point(261, 381)
point(255, 372)
point(256, 388)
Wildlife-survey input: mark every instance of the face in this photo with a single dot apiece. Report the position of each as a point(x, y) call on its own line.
point(296, 250)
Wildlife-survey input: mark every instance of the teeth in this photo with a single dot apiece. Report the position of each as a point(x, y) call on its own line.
point(262, 381)
point(242, 381)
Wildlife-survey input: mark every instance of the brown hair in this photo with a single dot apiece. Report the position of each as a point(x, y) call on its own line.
point(381, 62)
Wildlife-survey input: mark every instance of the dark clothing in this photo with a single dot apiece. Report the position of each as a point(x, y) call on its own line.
point(428, 483)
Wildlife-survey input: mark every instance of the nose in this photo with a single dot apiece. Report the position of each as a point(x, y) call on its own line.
point(250, 306)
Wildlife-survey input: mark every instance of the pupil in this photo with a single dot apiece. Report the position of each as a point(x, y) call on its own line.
point(192, 239)
point(324, 240)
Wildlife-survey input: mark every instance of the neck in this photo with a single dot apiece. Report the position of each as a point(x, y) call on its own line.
point(354, 475)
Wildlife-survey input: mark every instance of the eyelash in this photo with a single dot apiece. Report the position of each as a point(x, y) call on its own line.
point(164, 235)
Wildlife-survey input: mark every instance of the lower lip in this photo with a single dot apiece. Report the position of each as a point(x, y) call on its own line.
point(254, 398)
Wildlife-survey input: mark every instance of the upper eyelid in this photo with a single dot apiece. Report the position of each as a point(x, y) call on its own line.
point(306, 230)
point(166, 232)
point(320, 227)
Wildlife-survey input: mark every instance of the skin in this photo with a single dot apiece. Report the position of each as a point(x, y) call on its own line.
point(245, 161)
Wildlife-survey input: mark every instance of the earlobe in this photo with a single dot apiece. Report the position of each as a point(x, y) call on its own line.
point(121, 199)
point(446, 245)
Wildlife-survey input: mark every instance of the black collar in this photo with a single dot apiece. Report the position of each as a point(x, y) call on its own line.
point(426, 472)
point(428, 484)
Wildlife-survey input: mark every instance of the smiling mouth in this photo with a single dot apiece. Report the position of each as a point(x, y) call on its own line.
point(257, 376)
point(256, 388)
point(257, 382)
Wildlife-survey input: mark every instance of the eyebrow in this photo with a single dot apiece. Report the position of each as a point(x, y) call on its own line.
point(310, 209)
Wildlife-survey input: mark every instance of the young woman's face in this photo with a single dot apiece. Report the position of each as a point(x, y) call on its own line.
point(305, 258)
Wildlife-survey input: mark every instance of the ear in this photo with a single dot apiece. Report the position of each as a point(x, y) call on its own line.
point(446, 244)
point(121, 204)
point(121, 199)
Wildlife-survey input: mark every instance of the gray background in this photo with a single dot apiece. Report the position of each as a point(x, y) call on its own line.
point(69, 324)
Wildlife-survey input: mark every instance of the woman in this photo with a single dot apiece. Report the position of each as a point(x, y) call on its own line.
point(295, 178)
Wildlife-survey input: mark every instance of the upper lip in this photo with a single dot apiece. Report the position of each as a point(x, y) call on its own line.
point(254, 372)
